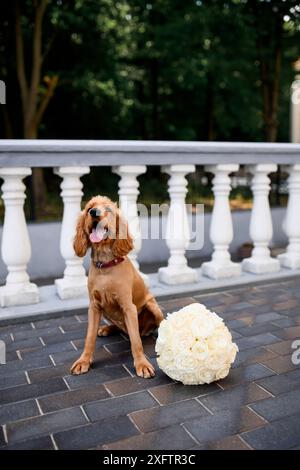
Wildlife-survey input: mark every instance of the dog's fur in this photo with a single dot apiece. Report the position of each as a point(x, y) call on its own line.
point(118, 293)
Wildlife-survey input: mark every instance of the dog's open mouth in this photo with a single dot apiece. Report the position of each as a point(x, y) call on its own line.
point(98, 233)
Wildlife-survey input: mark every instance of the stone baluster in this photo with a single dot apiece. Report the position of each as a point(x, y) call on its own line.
point(177, 230)
point(221, 230)
point(291, 226)
point(16, 249)
point(74, 282)
point(128, 194)
point(261, 230)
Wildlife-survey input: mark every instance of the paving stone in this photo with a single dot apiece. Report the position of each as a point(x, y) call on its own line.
point(12, 379)
point(229, 443)
point(11, 356)
point(253, 355)
point(44, 425)
point(280, 364)
point(258, 329)
point(172, 393)
point(92, 435)
point(224, 423)
point(278, 407)
point(65, 358)
point(164, 416)
point(72, 398)
point(21, 334)
point(282, 348)
point(284, 322)
point(96, 376)
point(67, 337)
point(257, 340)
point(211, 301)
point(27, 326)
point(119, 406)
point(46, 350)
point(44, 373)
point(6, 336)
point(277, 384)
point(27, 364)
point(234, 397)
point(40, 443)
point(19, 410)
point(243, 374)
point(61, 358)
point(53, 322)
point(289, 333)
point(171, 438)
point(279, 435)
point(101, 341)
point(282, 306)
point(23, 392)
point(173, 305)
point(135, 384)
point(24, 343)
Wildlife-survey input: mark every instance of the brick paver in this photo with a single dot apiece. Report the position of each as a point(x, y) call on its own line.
point(257, 406)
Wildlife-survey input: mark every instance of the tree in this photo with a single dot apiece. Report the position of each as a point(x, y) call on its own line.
point(271, 22)
point(36, 92)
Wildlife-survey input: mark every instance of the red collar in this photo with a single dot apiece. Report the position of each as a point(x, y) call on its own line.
point(109, 264)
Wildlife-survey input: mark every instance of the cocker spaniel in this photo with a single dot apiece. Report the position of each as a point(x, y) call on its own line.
point(116, 289)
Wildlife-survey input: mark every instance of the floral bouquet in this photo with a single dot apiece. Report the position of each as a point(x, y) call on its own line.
point(194, 346)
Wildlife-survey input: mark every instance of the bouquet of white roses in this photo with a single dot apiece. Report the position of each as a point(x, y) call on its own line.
point(194, 346)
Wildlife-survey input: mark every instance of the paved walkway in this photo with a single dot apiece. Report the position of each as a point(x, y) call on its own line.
point(257, 406)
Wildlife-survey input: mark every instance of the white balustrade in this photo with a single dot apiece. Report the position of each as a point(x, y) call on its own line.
point(74, 282)
point(261, 229)
point(128, 194)
point(221, 230)
point(177, 230)
point(291, 226)
point(16, 249)
point(217, 158)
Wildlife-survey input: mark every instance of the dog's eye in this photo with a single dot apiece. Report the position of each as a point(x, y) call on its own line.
point(108, 209)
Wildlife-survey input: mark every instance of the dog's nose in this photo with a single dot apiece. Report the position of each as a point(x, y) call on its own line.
point(95, 212)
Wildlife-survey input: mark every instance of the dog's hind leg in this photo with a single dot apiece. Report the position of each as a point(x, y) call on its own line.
point(150, 317)
point(106, 330)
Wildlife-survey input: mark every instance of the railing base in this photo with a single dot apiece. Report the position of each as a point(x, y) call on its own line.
point(214, 270)
point(287, 261)
point(254, 266)
point(70, 289)
point(176, 276)
point(26, 294)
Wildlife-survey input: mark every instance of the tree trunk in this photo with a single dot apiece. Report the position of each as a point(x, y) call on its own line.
point(37, 182)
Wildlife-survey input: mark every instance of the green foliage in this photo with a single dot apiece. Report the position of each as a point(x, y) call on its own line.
point(163, 69)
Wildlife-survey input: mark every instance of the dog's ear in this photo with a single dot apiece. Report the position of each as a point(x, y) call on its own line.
point(81, 241)
point(123, 243)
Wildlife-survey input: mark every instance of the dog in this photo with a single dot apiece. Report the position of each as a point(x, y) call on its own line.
point(116, 289)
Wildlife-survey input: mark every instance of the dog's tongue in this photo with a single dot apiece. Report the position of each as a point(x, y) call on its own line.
point(97, 235)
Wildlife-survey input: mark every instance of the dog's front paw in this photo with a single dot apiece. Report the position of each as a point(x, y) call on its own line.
point(81, 366)
point(144, 368)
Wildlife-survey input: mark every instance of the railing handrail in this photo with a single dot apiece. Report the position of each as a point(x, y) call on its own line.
point(30, 153)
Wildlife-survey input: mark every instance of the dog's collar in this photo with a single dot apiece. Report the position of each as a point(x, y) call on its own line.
point(108, 264)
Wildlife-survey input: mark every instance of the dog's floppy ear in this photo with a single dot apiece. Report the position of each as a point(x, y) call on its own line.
point(123, 243)
point(81, 241)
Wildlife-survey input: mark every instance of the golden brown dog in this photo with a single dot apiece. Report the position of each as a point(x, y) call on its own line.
point(116, 289)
